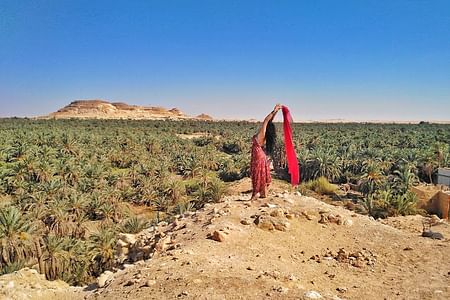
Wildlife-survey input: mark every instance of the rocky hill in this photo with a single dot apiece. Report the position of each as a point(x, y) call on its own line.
point(287, 246)
point(101, 109)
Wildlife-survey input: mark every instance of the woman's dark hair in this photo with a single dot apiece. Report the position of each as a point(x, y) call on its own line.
point(271, 138)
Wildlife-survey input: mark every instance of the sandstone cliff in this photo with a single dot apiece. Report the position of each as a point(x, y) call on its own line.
point(101, 109)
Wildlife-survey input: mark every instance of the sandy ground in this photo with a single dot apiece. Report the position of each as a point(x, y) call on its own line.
point(253, 263)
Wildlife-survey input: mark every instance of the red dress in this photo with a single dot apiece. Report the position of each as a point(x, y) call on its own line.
point(259, 168)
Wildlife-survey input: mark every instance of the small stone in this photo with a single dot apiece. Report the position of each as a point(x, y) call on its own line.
point(129, 283)
point(282, 290)
point(341, 289)
point(127, 238)
point(218, 236)
point(323, 219)
point(292, 278)
point(245, 222)
point(183, 293)
point(348, 222)
point(150, 282)
point(281, 225)
point(264, 222)
point(312, 295)
point(104, 278)
point(277, 213)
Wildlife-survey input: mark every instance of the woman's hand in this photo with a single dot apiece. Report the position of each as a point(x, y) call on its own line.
point(277, 108)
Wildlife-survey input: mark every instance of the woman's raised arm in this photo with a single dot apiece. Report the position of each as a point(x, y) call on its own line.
point(262, 130)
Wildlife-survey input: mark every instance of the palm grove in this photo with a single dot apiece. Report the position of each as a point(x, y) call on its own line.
point(68, 187)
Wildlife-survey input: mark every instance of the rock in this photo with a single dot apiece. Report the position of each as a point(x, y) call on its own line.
point(245, 222)
point(341, 289)
point(121, 244)
point(282, 290)
point(292, 278)
point(150, 282)
point(129, 283)
point(435, 220)
point(163, 243)
point(104, 278)
point(277, 213)
point(323, 219)
point(127, 238)
point(281, 225)
point(433, 235)
point(312, 295)
point(264, 222)
point(218, 236)
point(348, 222)
point(308, 216)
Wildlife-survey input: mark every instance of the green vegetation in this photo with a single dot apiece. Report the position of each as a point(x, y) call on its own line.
point(67, 187)
point(321, 186)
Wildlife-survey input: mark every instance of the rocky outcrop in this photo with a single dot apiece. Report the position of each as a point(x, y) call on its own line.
point(29, 284)
point(101, 109)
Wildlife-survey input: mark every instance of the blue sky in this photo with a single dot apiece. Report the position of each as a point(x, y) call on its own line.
point(325, 59)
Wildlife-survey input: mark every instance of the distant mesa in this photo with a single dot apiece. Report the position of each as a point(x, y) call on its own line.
point(101, 109)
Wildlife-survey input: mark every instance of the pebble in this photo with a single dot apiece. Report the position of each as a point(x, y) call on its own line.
point(150, 282)
point(245, 222)
point(218, 236)
point(129, 283)
point(341, 289)
point(312, 295)
point(348, 222)
point(183, 293)
point(282, 290)
point(104, 278)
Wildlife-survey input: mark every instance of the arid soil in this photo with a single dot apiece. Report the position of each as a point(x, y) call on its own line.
point(287, 246)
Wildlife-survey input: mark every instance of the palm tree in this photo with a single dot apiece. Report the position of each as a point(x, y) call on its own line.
point(103, 245)
point(55, 256)
point(405, 179)
point(17, 236)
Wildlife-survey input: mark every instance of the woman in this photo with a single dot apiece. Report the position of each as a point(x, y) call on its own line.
point(260, 164)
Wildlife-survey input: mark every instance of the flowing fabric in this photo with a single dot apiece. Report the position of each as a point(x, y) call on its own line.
point(259, 169)
point(293, 167)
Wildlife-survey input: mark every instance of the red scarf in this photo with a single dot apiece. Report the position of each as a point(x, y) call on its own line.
point(289, 147)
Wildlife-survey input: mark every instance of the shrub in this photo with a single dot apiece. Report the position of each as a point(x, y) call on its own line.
point(321, 186)
point(134, 225)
